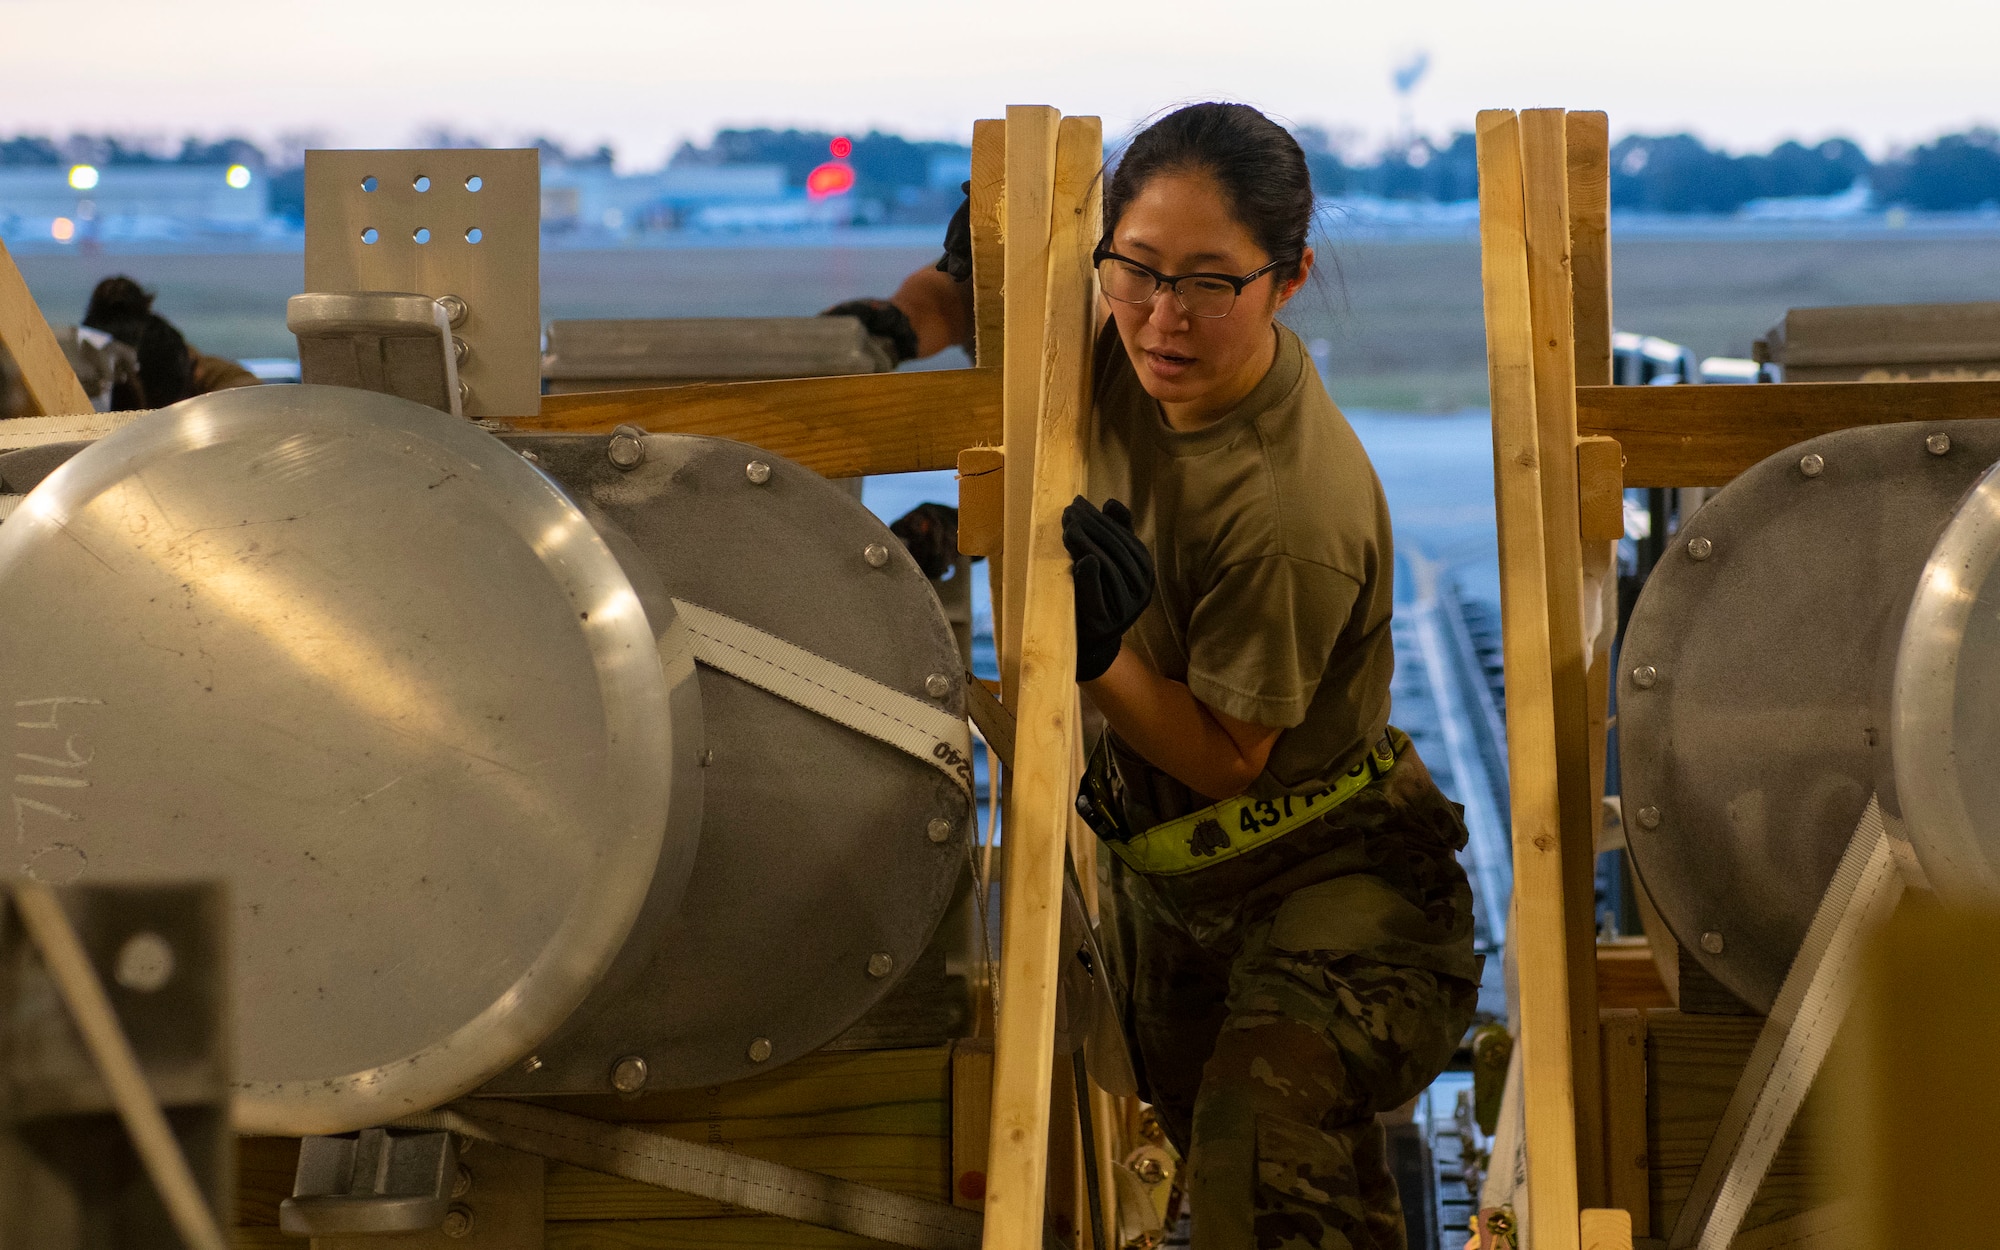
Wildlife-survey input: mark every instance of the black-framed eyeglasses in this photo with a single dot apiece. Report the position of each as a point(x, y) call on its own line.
point(1200, 294)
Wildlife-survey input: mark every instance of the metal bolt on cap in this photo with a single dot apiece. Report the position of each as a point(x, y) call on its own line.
point(1700, 548)
point(881, 964)
point(760, 1049)
point(1644, 676)
point(937, 685)
point(461, 1184)
point(939, 830)
point(458, 349)
point(758, 472)
point(454, 308)
point(625, 451)
point(533, 1063)
point(457, 1222)
point(1938, 444)
point(1711, 942)
point(628, 1075)
point(876, 554)
point(1812, 464)
point(1649, 817)
point(706, 757)
point(530, 457)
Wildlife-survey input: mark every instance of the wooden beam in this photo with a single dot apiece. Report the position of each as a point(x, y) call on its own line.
point(1607, 1229)
point(1537, 934)
point(1043, 779)
point(53, 390)
point(840, 427)
point(1545, 181)
point(982, 500)
point(1589, 162)
point(1706, 435)
point(1600, 489)
point(989, 244)
point(1628, 1174)
point(1031, 164)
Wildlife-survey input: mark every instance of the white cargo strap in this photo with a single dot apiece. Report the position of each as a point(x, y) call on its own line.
point(1813, 1001)
point(22, 432)
point(707, 1172)
point(832, 690)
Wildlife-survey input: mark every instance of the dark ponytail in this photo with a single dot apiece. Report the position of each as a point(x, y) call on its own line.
point(1257, 163)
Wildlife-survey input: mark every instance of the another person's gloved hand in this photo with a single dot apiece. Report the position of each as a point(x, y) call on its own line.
point(1113, 572)
point(930, 531)
point(884, 321)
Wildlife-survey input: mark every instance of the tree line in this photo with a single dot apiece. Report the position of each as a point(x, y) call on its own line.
point(1650, 173)
point(1681, 174)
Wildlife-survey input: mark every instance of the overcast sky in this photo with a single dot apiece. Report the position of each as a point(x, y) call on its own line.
point(645, 75)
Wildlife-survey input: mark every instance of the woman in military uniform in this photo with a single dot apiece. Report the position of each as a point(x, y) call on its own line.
point(1291, 916)
point(1295, 925)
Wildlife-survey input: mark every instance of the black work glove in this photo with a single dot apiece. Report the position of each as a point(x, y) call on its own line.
point(930, 531)
point(884, 321)
point(957, 258)
point(1113, 572)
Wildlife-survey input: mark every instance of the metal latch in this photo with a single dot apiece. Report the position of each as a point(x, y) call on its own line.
point(378, 1181)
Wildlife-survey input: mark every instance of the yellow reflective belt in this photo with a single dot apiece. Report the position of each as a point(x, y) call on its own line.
point(1234, 826)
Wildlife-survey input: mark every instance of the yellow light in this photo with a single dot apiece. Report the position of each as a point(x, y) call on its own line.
point(62, 229)
point(82, 177)
point(238, 176)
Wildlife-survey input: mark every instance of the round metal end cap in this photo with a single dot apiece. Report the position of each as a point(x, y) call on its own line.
point(876, 554)
point(758, 472)
point(1711, 942)
point(1645, 676)
point(881, 964)
point(1938, 444)
point(1700, 548)
point(1812, 464)
point(1649, 817)
point(937, 685)
point(939, 830)
point(760, 1049)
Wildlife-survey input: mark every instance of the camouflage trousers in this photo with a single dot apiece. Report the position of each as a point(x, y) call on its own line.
point(1267, 1066)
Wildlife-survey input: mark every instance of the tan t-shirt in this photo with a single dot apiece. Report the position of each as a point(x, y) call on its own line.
point(1276, 569)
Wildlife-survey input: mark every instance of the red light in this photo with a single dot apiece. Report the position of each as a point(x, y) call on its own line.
point(832, 178)
point(841, 148)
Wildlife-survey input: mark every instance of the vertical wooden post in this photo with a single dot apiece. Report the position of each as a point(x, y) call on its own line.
point(1628, 1164)
point(1589, 162)
point(1537, 934)
point(1031, 162)
point(1043, 782)
point(989, 251)
point(1545, 182)
point(53, 390)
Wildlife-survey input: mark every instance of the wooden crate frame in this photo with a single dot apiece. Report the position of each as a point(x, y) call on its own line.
point(1034, 287)
point(1566, 442)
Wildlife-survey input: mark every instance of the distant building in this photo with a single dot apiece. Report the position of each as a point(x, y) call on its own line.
point(593, 198)
point(65, 202)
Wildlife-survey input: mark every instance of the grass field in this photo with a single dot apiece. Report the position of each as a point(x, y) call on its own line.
point(1402, 318)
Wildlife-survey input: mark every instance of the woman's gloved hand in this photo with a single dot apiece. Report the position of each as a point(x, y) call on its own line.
point(1114, 580)
point(885, 322)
